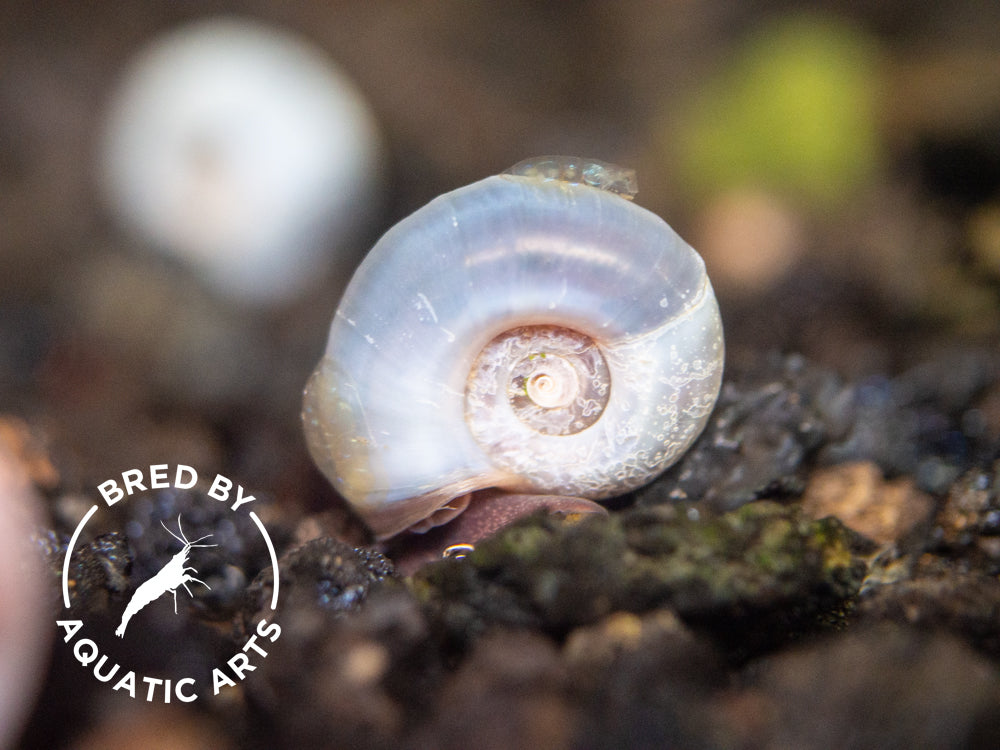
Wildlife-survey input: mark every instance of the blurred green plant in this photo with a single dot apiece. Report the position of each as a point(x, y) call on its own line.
point(792, 112)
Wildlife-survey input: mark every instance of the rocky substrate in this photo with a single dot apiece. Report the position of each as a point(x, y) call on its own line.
point(820, 570)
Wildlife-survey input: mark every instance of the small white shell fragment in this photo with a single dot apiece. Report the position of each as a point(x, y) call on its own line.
point(529, 332)
point(242, 150)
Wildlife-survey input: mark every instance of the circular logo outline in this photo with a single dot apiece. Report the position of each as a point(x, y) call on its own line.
point(174, 573)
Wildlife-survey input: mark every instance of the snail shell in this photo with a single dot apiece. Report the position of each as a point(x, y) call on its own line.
point(529, 332)
point(240, 149)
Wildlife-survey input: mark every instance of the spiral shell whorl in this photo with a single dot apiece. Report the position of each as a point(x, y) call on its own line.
point(630, 417)
point(386, 411)
point(551, 380)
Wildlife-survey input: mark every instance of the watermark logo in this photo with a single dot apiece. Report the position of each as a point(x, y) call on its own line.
point(178, 572)
point(168, 578)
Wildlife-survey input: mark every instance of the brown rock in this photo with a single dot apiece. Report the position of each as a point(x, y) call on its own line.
point(881, 687)
point(858, 495)
point(154, 728)
point(510, 693)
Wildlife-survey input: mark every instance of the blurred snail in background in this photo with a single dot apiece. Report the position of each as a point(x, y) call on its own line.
point(534, 332)
point(243, 151)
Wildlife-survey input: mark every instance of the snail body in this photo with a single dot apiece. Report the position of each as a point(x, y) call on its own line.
point(526, 332)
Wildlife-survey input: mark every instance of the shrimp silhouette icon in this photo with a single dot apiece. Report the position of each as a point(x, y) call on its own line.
point(175, 573)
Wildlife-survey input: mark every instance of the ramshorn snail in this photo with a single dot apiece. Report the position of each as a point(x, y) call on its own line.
point(535, 332)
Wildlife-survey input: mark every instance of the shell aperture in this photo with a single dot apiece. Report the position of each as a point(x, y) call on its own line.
point(528, 333)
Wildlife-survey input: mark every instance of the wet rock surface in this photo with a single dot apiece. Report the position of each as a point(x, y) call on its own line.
point(737, 575)
point(778, 416)
point(323, 572)
point(796, 585)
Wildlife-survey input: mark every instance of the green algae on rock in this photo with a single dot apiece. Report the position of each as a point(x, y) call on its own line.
point(737, 575)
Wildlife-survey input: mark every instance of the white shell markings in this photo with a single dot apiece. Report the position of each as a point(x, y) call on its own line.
point(242, 150)
point(564, 373)
point(554, 380)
